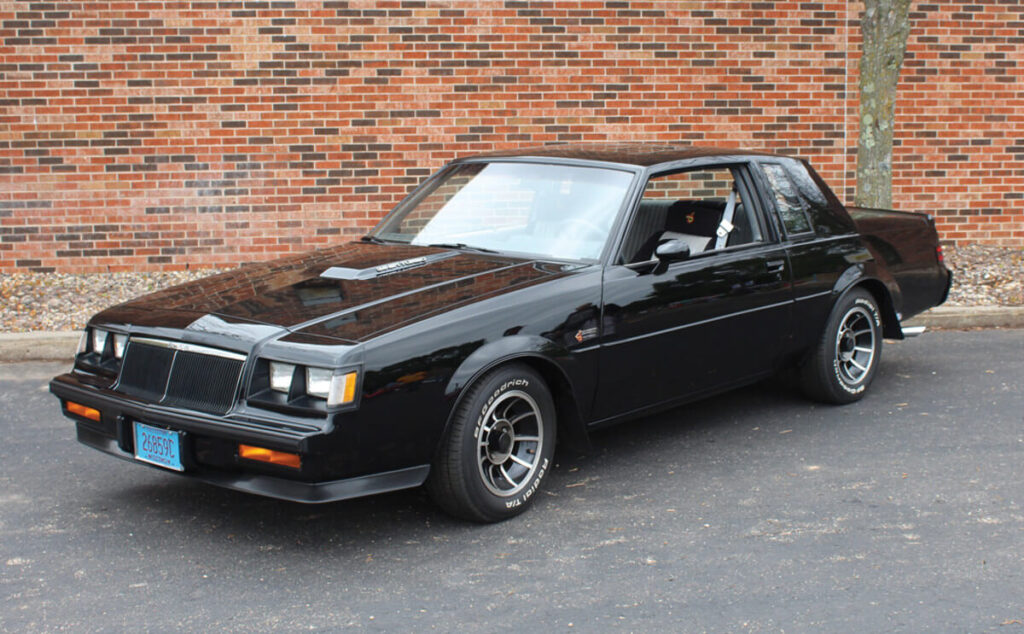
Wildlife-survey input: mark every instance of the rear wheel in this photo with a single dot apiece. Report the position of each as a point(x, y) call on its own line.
point(844, 362)
point(498, 447)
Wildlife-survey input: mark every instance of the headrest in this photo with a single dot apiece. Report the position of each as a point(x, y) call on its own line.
point(650, 206)
point(695, 217)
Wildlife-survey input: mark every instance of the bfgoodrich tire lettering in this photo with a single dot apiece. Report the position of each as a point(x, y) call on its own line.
point(498, 447)
point(843, 364)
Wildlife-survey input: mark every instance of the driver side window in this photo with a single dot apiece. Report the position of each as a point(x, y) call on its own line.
point(703, 208)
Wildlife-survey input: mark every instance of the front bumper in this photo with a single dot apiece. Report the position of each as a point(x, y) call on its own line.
point(209, 448)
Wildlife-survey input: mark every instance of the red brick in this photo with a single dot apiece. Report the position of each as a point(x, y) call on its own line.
point(230, 139)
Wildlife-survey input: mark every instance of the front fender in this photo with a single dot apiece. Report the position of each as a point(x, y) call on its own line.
point(500, 351)
point(552, 361)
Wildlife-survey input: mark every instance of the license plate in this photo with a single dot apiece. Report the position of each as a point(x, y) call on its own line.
point(158, 446)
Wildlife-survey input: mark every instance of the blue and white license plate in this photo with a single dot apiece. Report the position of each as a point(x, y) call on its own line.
point(158, 446)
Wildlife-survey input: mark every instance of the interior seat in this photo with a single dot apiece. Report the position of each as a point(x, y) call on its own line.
point(691, 221)
point(649, 221)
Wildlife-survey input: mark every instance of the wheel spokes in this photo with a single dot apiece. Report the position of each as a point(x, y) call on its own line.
point(504, 415)
point(520, 461)
point(507, 460)
point(516, 419)
point(855, 346)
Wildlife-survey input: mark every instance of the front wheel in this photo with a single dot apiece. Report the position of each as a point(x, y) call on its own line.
point(498, 447)
point(844, 362)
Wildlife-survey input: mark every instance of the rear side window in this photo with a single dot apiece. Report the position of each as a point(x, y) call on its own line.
point(787, 200)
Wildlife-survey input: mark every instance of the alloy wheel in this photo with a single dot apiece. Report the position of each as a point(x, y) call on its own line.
point(509, 443)
point(855, 346)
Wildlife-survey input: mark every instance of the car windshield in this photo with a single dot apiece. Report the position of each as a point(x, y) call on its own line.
point(556, 211)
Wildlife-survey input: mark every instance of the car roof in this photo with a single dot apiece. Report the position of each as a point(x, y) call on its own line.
point(638, 154)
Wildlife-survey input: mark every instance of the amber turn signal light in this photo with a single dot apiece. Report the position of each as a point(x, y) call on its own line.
point(82, 410)
point(263, 454)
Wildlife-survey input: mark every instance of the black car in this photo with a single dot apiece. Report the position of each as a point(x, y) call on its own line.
point(513, 299)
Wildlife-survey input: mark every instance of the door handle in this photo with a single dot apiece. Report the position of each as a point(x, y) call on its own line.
point(775, 266)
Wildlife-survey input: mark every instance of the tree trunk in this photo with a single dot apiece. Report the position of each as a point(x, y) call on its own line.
point(884, 27)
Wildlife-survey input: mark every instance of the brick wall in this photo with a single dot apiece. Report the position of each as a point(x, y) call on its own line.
point(159, 134)
point(960, 120)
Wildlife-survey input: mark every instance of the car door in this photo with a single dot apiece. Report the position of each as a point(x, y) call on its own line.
point(823, 245)
point(709, 321)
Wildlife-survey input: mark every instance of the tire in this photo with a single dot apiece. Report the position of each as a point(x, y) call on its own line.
point(843, 364)
point(498, 447)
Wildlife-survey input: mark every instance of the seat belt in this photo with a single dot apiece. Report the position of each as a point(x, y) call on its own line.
point(726, 225)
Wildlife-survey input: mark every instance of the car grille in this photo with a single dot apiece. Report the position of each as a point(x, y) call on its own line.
point(180, 374)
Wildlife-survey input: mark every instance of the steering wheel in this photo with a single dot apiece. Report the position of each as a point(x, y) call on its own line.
point(595, 232)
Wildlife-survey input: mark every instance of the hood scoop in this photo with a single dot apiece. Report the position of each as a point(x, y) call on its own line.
point(345, 273)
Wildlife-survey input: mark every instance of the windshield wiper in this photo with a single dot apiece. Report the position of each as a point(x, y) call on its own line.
point(459, 245)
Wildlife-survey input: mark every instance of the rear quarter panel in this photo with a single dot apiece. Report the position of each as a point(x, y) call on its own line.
point(905, 244)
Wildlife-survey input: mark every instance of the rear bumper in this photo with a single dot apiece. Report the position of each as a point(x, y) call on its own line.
point(949, 285)
point(209, 448)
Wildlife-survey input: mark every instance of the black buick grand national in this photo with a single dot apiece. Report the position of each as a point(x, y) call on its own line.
point(513, 299)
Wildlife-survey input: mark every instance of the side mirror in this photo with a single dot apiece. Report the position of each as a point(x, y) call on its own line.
point(667, 252)
point(672, 251)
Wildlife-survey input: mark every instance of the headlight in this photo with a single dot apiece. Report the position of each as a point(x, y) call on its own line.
point(281, 376)
point(99, 340)
point(301, 388)
point(318, 382)
point(120, 341)
point(101, 351)
point(338, 389)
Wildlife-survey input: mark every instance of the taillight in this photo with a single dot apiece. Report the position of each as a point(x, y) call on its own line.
point(938, 254)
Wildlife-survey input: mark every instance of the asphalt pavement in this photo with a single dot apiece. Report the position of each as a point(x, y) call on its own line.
point(752, 511)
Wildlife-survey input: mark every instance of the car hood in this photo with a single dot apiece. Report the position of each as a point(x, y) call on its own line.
point(350, 292)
